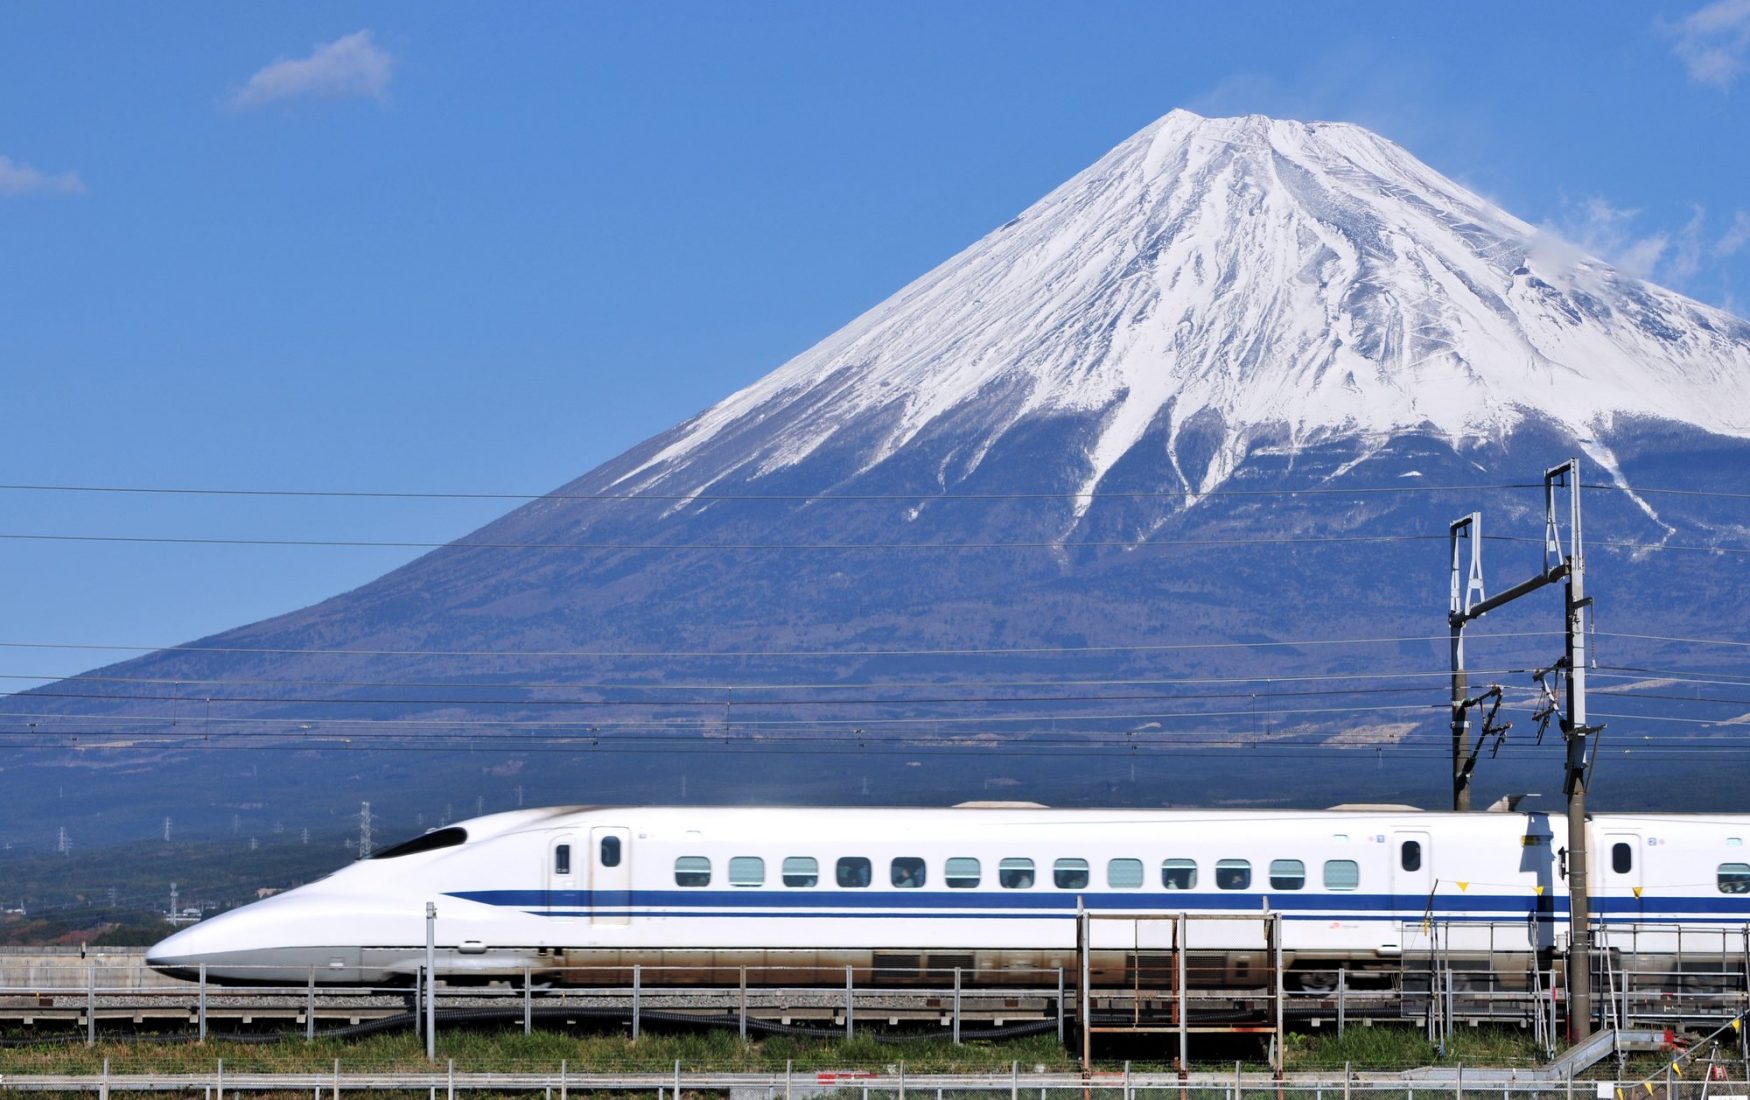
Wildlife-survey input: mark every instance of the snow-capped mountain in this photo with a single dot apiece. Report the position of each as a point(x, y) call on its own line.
point(1303, 280)
point(1138, 439)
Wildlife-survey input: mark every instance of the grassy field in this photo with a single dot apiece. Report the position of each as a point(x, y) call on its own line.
point(1361, 1048)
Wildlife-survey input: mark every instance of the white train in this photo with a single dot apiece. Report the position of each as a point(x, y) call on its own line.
point(581, 894)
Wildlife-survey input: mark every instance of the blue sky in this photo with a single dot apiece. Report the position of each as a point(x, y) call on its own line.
point(486, 247)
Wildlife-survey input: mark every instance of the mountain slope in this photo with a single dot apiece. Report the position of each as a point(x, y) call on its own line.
point(1077, 483)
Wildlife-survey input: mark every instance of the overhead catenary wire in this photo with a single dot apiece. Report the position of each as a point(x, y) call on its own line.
point(1066, 494)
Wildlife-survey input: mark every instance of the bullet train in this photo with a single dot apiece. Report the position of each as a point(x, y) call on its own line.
point(580, 895)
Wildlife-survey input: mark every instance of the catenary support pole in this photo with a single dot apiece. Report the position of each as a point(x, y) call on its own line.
point(1578, 735)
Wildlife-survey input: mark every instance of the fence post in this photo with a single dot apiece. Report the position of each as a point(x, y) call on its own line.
point(1237, 1093)
point(789, 1066)
point(743, 1006)
point(677, 1079)
point(1015, 1080)
point(850, 1003)
point(562, 1081)
point(201, 1004)
point(1183, 976)
point(957, 1006)
point(219, 1079)
point(1060, 1004)
point(310, 1008)
point(528, 1003)
point(637, 989)
point(91, 1003)
point(452, 1079)
point(337, 1079)
point(431, 983)
point(103, 1089)
point(1342, 997)
point(1345, 1081)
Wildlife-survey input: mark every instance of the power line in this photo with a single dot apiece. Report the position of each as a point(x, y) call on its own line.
point(949, 651)
point(1067, 494)
point(464, 544)
point(724, 686)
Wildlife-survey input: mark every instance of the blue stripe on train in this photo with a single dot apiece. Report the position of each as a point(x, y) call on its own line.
point(944, 904)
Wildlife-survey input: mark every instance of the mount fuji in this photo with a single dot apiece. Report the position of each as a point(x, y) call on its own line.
point(1060, 503)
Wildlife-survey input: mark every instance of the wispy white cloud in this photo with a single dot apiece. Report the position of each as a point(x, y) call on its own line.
point(17, 180)
point(1737, 235)
point(352, 67)
point(1608, 232)
point(1713, 41)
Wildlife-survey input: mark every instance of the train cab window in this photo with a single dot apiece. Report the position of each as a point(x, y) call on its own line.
point(427, 842)
point(1124, 874)
point(610, 851)
point(1410, 855)
point(1287, 874)
point(692, 871)
point(1070, 874)
point(1015, 873)
point(747, 871)
point(1622, 858)
point(855, 872)
point(1179, 874)
point(801, 871)
point(562, 859)
point(1233, 874)
point(962, 873)
point(1342, 874)
point(906, 873)
point(1735, 878)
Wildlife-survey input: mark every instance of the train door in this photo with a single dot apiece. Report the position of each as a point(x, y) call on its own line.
point(1412, 884)
point(611, 896)
point(1619, 877)
point(564, 876)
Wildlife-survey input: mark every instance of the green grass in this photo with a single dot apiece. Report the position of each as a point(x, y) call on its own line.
point(697, 1050)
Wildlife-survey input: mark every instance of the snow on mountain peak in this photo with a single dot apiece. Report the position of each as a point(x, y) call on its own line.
point(1306, 279)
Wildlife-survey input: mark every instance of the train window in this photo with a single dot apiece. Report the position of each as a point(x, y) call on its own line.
point(906, 872)
point(1124, 874)
point(1410, 855)
point(1179, 874)
point(1342, 874)
point(1015, 873)
point(747, 871)
point(1287, 874)
point(1233, 874)
point(855, 872)
point(562, 859)
point(1070, 874)
point(437, 838)
point(801, 871)
point(610, 851)
point(1735, 878)
point(1622, 858)
point(962, 873)
point(692, 871)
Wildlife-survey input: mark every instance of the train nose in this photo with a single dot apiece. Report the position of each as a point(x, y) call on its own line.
point(275, 940)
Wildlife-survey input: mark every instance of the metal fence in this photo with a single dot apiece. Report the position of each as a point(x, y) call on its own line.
point(885, 1083)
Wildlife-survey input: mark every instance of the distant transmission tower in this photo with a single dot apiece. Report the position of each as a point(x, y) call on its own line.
point(173, 899)
point(479, 805)
point(304, 835)
point(364, 830)
point(63, 843)
point(519, 796)
point(167, 830)
point(252, 844)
